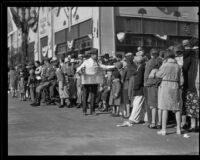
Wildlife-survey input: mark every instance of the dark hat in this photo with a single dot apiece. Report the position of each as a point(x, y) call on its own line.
point(119, 56)
point(106, 56)
point(56, 63)
point(93, 51)
point(154, 52)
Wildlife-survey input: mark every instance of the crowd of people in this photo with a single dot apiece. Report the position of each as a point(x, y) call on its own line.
point(139, 87)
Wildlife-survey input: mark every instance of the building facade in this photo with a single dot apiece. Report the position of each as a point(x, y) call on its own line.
point(141, 24)
point(73, 30)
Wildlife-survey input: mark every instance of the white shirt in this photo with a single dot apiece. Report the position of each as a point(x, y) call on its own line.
point(90, 66)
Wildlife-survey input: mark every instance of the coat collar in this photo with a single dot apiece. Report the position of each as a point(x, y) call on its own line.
point(170, 60)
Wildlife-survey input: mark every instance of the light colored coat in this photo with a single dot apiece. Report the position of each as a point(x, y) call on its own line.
point(115, 94)
point(168, 93)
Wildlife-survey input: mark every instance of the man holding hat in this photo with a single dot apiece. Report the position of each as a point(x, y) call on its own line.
point(47, 76)
point(90, 88)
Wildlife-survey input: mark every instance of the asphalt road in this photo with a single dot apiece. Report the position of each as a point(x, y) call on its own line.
point(49, 130)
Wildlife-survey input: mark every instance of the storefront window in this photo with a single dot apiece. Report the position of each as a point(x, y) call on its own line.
point(151, 42)
point(83, 43)
point(132, 40)
point(61, 48)
point(60, 37)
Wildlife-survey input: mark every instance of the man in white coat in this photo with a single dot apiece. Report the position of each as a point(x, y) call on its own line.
point(88, 67)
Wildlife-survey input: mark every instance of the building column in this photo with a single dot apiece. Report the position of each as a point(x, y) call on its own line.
point(107, 30)
point(96, 28)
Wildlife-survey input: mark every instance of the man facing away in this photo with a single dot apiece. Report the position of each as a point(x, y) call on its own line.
point(90, 88)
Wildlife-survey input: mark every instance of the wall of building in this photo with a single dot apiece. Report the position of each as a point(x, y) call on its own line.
point(158, 20)
point(187, 13)
point(80, 14)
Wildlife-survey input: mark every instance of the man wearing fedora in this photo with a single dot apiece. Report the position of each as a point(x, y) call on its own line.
point(90, 88)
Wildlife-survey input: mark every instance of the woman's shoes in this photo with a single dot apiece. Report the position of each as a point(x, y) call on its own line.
point(125, 124)
point(152, 126)
point(193, 129)
point(184, 126)
point(159, 126)
point(78, 106)
point(61, 106)
point(161, 132)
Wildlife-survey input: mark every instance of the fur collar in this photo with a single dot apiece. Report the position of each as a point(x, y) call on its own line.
point(170, 60)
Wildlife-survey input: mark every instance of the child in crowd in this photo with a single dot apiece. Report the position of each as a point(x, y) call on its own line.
point(115, 94)
point(61, 84)
point(21, 87)
point(105, 91)
point(32, 84)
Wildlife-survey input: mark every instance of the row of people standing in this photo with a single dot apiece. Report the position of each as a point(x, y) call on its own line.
point(169, 85)
point(150, 88)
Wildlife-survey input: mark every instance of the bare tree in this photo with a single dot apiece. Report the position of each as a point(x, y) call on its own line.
point(25, 18)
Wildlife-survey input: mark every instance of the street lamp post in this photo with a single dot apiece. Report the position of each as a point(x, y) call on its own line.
point(142, 11)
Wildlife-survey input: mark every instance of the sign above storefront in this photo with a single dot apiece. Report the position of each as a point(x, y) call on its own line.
point(165, 13)
point(168, 10)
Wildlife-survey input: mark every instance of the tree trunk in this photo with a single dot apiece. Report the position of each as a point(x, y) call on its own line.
point(24, 47)
point(25, 30)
